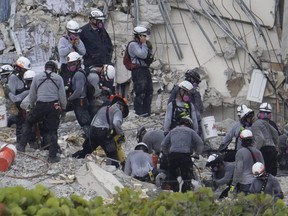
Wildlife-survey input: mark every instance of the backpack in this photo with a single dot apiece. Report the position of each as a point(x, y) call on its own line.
point(127, 61)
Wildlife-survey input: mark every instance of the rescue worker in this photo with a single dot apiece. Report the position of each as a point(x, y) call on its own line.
point(233, 133)
point(25, 105)
point(179, 144)
point(265, 113)
point(265, 182)
point(141, 76)
point(98, 44)
point(152, 139)
point(222, 174)
point(244, 160)
point(48, 100)
point(97, 94)
point(267, 139)
point(16, 91)
point(70, 42)
point(78, 97)
point(139, 164)
point(194, 78)
point(105, 125)
point(180, 107)
point(5, 71)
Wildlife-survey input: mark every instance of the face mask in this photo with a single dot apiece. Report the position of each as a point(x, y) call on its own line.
point(73, 37)
point(72, 68)
point(214, 169)
point(99, 24)
point(186, 98)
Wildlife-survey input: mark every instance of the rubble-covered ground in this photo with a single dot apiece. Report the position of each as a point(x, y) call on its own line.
point(62, 178)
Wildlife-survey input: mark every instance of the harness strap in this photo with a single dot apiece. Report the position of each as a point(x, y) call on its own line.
point(48, 77)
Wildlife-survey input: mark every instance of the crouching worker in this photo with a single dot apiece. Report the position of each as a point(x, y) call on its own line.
point(222, 174)
point(105, 125)
point(139, 164)
point(179, 145)
point(47, 98)
point(265, 182)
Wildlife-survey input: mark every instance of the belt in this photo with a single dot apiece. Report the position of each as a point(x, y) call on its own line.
point(42, 102)
point(101, 128)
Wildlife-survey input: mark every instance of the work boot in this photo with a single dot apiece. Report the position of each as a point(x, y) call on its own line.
point(20, 147)
point(34, 145)
point(53, 159)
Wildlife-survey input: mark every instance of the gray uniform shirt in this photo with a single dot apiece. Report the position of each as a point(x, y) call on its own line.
point(138, 163)
point(47, 91)
point(65, 47)
point(264, 134)
point(136, 51)
point(115, 119)
point(169, 115)
point(14, 84)
point(78, 86)
point(243, 165)
point(272, 186)
point(153, 140)
point(93, 79)
point(234, 132)
point(227, 174)
point(182, 140)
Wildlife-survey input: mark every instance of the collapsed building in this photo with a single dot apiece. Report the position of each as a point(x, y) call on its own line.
point(240, 45)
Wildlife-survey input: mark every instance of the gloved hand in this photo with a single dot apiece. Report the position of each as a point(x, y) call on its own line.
point(62, 114)
point(6, 91)
point(121, 139)
point(231, 191)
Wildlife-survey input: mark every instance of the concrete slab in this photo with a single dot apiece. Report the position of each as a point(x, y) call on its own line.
point(92, 176)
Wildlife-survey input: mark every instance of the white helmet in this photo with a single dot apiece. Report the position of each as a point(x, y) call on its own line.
point(73, 56)
point(73, 27)
point(186, 85)
point(109, 72)
point(29, 75)
point(246, 134)
point(240, 109)
point(140, 30)
point(245, 112)
point(23, 62)
point(212, 157)
point(258, 169)
point(265, 107)
point(141, 146)
point(97, 14)
point(7, 68)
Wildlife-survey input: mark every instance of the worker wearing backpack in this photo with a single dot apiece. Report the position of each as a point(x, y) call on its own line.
point(78, 98)
point(138, 52)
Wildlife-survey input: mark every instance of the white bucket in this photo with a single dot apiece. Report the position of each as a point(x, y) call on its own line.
point(209, 128)
point(3, 116)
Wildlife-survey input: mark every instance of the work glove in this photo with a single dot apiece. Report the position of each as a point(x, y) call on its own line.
point(63, 114)
point(6, 91)
point(121, 139)
point(232, 191)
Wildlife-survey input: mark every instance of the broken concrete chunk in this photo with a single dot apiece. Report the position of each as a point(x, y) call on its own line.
point(93, 177)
